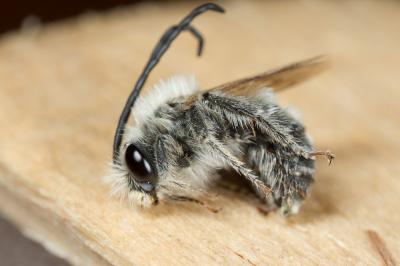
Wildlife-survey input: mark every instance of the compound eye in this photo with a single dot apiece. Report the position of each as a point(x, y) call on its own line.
point(139, 167)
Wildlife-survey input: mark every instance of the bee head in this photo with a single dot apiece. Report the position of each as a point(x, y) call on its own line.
point(133, 163)
point(134, 176)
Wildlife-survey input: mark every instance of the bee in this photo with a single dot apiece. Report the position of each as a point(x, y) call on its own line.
point(182, 135)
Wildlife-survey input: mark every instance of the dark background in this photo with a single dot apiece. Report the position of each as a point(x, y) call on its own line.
point(13, 12)
point(15, 249)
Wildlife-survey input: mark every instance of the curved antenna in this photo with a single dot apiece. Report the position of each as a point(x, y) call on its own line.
point(161, 47)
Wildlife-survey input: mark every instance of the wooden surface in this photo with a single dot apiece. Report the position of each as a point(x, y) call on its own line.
point(63, 87)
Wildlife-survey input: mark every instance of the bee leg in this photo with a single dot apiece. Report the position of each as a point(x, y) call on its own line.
point(219, 151)
point(330, 156)
point(265, 208)
point(204, 203)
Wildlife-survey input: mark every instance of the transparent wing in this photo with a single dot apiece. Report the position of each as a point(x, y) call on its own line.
point(277, 79)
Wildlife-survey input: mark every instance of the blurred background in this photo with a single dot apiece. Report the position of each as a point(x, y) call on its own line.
point(13, 14)
point(15, 249)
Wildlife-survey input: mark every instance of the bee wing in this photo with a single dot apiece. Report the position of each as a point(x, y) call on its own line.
point(277, 79)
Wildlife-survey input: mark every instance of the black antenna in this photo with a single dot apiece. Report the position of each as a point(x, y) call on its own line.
point(168, 37)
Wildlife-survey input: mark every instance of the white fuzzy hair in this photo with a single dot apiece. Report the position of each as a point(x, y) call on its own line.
point(160, 93)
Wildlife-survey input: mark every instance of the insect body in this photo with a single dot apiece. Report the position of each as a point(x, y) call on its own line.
point(182, 135)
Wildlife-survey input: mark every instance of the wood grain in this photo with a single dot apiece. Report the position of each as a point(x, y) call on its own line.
point(63, 87)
